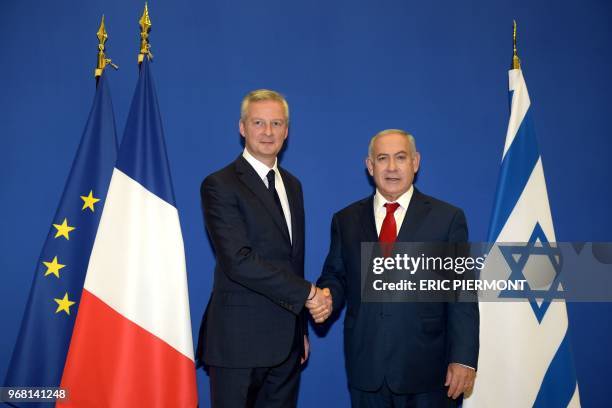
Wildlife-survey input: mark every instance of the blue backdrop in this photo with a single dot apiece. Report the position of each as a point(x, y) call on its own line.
point(348, 68)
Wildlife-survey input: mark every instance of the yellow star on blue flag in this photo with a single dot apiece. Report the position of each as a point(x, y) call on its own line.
point(63, 305)
point(53, 267)
point(89, 201)
point(63, 229)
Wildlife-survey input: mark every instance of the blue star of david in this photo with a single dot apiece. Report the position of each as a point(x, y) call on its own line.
point(522, 253)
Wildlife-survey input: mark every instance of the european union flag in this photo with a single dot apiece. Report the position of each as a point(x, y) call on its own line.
point(41, 348)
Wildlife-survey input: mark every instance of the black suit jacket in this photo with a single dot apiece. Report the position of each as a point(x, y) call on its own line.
point(408, 344)
point(259, 289)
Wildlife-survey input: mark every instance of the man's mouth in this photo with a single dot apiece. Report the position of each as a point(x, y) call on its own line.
point(392, 179)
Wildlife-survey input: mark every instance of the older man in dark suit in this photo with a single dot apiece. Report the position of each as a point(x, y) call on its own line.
point(253, 335)
point(399, 354)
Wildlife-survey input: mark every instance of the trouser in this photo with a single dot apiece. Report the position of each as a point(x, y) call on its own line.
point(385, 398)
point(259, 387)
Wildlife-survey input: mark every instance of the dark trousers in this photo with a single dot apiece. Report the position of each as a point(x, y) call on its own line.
point(260, 387)
point(385, 398)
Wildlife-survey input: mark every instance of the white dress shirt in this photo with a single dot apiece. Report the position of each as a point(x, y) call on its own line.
point(263, 170)
point(380, 211)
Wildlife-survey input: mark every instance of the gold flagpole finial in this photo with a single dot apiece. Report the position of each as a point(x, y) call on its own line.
point(102, 60)
point(516, 62)
point(145, 27)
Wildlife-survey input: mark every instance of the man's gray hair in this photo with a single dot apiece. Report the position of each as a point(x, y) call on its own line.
point(408, 136)
point(263, 95)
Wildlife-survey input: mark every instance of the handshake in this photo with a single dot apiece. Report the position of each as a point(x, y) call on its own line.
point(319, 303)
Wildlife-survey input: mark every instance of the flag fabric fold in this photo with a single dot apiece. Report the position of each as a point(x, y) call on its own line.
point(55, 295)
point(132, 344)
point(525, 358)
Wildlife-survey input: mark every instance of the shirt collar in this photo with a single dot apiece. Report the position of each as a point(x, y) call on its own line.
point(403, 200)
point(261, 168)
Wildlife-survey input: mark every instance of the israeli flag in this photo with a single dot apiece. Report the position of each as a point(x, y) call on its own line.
point(525, 356)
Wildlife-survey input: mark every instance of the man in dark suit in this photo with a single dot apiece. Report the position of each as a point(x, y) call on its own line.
point(399, 354)
point(253, 335)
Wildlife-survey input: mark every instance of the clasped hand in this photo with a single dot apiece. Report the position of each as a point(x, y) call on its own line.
point(320, 304)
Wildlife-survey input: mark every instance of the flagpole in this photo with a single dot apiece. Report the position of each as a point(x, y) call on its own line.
point(102, 60)
point(516, 62)
point(145, 27)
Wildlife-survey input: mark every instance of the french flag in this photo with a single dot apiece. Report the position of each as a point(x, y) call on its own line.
point(132, 343)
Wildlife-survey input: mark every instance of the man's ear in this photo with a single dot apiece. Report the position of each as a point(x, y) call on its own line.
point(370, 165)
point(241, 127)
point(416, 162)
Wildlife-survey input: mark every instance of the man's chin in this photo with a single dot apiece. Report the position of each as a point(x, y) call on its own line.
point(271, 150)
point(271, 154)
point(392, 192)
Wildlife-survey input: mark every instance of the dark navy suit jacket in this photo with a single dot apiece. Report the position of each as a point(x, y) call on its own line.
point(258, 290)
point(407, 344)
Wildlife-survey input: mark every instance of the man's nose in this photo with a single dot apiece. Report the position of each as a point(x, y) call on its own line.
point(392, 165)
point(268, 128)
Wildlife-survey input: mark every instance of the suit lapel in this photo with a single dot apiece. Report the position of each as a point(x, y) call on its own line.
point(416, 213)
point(366, 219)
point(248, 175)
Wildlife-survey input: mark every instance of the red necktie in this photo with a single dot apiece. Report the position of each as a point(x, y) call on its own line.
point(388, 231)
